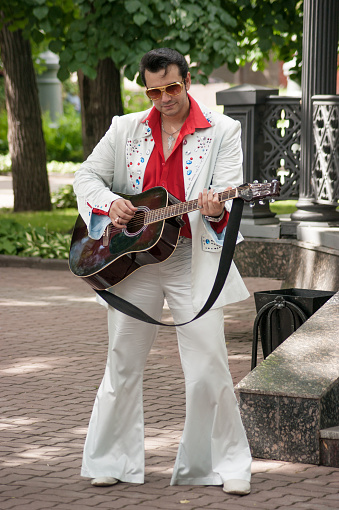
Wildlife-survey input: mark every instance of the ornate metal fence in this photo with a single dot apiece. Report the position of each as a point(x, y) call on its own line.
point(325, 169)
point(281, 126)
point(271, 132)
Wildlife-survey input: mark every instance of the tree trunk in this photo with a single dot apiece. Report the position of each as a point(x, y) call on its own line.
point(25, 136)
point(100, 101)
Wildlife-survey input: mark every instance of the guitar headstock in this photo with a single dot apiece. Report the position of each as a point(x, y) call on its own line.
point(259, 191)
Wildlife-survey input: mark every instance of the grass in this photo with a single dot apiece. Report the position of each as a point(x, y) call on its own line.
point(283, 207)
point(58, 220)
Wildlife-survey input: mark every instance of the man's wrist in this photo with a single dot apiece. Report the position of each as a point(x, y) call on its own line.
point(215, 219)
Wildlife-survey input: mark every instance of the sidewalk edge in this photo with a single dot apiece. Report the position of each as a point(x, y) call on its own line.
point(33, 262)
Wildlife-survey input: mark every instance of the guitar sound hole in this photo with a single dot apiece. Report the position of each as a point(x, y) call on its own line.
point(137, 223)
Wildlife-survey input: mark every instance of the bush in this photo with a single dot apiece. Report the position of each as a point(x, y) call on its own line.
point(3, 131)
point(134, 101)
point(64, 198)
point(67, 167)
point(5, 164)
point(32, 242)
point(63, 141)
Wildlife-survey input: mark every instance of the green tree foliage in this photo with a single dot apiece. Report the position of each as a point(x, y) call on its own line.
point(125, 29)
point(210, 32)
point(267, 27)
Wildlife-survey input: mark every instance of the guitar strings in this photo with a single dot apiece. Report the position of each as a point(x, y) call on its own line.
point(138, 220)
point(134, 222)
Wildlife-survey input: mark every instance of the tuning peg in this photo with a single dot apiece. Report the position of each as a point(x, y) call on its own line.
point(261, 202)
point(255, 182)
point(272, 200)
point(252, 204)
point(265, 181)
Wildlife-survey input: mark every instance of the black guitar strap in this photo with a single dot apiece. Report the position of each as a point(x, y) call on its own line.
point(224, 265)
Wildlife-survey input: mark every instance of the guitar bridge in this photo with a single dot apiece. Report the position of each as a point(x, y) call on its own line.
point(105, 236)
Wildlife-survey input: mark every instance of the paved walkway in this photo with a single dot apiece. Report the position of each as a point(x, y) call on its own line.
point(53, 349)
point(56, 181)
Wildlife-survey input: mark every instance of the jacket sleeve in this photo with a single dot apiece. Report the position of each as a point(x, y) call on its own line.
point(93, 183)
point(228, 170)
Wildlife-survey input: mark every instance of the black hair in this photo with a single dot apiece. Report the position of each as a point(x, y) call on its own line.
point(162, 58)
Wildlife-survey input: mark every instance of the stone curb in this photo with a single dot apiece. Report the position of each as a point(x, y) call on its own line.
point(33, 262)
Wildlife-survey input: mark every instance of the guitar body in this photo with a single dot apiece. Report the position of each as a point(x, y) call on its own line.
point(104, 263)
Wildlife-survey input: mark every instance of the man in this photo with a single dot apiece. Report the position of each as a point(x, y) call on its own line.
point(193, 153)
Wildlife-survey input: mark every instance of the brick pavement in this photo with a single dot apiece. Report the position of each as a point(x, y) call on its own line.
point(53, 346)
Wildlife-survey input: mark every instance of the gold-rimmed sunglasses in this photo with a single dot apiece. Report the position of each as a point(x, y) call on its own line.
point(172, 89)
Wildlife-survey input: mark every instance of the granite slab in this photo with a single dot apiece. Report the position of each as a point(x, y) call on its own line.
point(294, 393)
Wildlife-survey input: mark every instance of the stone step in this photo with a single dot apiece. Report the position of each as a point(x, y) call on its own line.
point(329, 447)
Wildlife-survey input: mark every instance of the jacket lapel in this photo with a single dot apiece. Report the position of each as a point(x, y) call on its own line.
point(195, 152)
point(138, 151)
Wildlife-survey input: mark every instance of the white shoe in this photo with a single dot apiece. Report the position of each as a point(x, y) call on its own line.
point(240, 487)
point(104, 481)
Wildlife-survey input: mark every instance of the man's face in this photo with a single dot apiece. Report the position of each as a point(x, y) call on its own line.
point(169, 105)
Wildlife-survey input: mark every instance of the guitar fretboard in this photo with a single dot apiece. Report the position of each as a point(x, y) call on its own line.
point(184, 207)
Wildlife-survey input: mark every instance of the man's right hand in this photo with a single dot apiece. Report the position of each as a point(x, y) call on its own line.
point(121, 212)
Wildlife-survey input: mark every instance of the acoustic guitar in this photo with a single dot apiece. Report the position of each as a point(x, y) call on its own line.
point(150, 237)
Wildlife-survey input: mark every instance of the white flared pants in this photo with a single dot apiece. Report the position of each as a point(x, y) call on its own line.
point(213, 447)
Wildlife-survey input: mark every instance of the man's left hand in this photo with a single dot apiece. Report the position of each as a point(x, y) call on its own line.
point(209, 204)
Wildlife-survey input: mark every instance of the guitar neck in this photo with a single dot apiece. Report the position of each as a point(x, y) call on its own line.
point(184, 207)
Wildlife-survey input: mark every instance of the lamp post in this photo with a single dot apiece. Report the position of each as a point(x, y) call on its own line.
point(50, 89)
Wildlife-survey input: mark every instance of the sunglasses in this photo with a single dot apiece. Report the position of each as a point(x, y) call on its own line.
point(173, 89)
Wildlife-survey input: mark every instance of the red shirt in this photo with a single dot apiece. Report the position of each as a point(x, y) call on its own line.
point(169, 174)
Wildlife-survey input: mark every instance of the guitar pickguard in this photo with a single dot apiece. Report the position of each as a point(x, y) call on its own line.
point(138, 223)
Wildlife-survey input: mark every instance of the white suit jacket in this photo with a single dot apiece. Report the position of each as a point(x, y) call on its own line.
point(212, 157)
